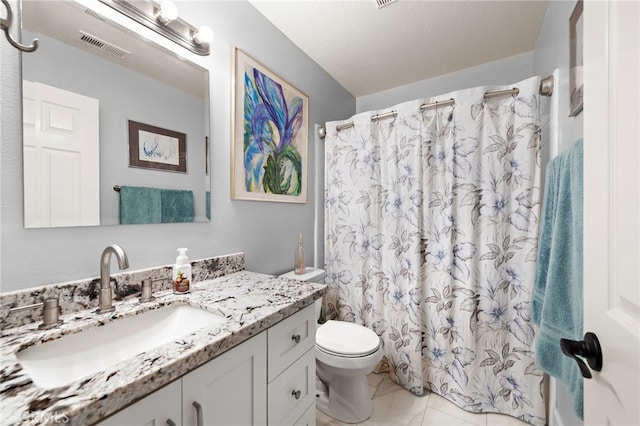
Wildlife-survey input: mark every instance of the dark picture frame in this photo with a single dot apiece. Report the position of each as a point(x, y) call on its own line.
point(576, 82)
point(152, 147)
point(206, 155)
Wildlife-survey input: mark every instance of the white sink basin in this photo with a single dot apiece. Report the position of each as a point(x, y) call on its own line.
point(59, 362)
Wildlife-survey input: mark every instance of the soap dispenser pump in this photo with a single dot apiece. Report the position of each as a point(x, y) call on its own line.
point(182, 273)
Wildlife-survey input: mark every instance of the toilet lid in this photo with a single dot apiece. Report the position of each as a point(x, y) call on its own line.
point(346, 338)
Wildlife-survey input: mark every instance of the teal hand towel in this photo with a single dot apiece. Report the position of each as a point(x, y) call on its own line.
point(207, 206)
point(140, 204)
point(177, 205)
point(556, 306)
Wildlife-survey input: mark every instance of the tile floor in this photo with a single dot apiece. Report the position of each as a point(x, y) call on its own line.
point(395, 406)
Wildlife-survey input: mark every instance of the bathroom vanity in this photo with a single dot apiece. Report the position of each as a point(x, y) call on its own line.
point(268, 379)
point(256, 365)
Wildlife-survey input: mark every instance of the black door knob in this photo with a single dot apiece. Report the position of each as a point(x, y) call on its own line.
point(589, 349)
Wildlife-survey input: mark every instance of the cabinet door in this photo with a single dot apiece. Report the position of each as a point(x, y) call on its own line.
point(293, 391)
point(156, 409)
point(231, 389)
point(308, 418)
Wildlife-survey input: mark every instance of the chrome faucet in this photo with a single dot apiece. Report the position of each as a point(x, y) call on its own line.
point(106, 292)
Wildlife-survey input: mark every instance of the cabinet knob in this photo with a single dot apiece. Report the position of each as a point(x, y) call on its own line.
point(296, 338)
point(296, 394)
point(171, 422)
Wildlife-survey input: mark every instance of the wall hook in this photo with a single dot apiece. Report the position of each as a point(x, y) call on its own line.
point(6, 23)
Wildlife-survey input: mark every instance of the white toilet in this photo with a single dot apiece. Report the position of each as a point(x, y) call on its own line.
point(345, 353)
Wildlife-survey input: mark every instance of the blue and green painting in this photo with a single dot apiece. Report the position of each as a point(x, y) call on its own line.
point(272, 160)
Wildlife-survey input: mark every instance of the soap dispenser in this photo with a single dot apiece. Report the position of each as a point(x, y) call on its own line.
point(182, 273)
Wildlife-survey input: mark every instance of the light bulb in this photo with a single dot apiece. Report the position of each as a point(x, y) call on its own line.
point(204, 35)
point(168, 11)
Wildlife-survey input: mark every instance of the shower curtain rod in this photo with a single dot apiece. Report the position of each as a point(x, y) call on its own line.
point(391, 114)
point(546, 89)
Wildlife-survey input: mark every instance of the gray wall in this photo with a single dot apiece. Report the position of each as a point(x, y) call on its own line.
point(552, 51)
point(125, 95)
point(504, 71)
point(266, 232)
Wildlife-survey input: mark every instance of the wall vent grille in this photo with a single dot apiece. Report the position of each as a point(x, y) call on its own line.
point(105, 46)
point(382, 3)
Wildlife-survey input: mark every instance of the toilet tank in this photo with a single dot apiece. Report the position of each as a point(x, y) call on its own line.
point(310, 275)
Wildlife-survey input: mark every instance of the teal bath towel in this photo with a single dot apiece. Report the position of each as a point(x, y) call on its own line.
point(140, 204)
point(556, 306)
point(177, 205)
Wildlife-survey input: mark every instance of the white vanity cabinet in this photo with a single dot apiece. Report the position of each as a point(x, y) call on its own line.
point(292, 368)
point(268, 379)
point(308, 418)
point(230, 389)
point(160, 408)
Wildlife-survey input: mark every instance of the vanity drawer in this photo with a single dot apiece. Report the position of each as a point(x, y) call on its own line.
point(289, 340)
point(293, 391)
point(308, 418)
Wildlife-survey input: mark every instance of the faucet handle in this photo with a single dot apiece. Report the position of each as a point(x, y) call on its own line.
point(50, 313)
point(147, 289)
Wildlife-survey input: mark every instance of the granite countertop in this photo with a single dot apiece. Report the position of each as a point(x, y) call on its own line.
point(250, 302)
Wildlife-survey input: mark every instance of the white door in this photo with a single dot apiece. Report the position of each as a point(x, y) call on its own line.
point(611, 215)
point(61, 157)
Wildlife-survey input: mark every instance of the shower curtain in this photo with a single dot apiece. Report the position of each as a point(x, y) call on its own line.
point(431, 225)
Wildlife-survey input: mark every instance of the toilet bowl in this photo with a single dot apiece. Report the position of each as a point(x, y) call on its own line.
point(345, 353)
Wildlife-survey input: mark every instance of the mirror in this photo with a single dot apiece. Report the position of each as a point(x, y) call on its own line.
point(107, 108)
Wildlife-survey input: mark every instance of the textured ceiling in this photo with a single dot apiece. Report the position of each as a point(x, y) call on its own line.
point(367, 49)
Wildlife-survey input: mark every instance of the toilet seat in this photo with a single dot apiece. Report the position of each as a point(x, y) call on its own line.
point(343, 355)
point(346, 339)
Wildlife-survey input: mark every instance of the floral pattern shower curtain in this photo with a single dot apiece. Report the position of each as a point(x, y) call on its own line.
point(431, 240)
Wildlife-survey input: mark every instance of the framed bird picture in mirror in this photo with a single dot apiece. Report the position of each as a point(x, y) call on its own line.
point(152, 147)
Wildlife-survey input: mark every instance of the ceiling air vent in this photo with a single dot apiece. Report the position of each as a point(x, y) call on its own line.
point(382, 3)
point(103, 45)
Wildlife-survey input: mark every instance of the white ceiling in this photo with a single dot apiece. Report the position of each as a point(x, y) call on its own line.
point(368, 49)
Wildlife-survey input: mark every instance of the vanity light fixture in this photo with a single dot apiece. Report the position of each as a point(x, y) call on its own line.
point(204, 35)
point(163, 19)
point(167, 12)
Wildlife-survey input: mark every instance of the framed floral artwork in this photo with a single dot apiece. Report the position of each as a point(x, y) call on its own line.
point(152, 147)
point(270, 135)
